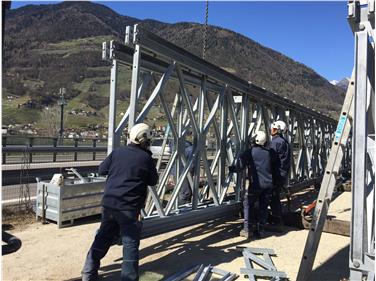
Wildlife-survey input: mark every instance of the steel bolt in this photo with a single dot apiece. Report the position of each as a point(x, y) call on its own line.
point(356, 264)
point(361, 26)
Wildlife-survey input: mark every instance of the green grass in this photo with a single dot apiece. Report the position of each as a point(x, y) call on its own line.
point(14, 115)
point(73, 46)
point(76, 121)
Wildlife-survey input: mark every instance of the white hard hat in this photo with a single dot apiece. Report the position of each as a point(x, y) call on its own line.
point(260, 138)
point(140, 133)
point(280, 126)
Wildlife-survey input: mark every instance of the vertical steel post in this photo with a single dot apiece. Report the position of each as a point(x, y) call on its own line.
point(134, 86)
point(112, 107)
point(200, 141)
point(244, 142)
point(179, 145)
point(223, 144)
point(289, 140)
point(61, 120)
point(359, 223)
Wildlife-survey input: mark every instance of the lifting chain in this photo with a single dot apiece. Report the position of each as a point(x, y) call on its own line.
point(205, 37)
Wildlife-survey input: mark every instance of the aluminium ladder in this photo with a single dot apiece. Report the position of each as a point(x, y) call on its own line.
point(357, 114)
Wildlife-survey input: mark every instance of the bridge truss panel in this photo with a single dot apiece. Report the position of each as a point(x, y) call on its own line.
point(204, 104)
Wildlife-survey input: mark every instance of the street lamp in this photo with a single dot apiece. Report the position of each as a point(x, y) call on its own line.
point(61, 103)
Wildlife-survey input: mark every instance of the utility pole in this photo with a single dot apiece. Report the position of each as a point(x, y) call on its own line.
point(62, 103)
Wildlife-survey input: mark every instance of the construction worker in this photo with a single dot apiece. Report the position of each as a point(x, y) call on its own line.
point(259, 161)
point(129, 169)
point(281, 149)
point(185, 192)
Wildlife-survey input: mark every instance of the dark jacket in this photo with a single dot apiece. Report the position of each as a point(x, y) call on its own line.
point(130, 170)
point(188, 152)
point(281, 148)
point(185, 191)
point(259, 161)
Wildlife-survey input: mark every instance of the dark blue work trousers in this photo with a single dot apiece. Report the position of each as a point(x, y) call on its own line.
point(112, 222)
point(275, 201)
point(249, 202)
point(275, 205)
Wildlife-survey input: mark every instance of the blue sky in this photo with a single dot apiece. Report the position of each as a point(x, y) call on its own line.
point(314, 33)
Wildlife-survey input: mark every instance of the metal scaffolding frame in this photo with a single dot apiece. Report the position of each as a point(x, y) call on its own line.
point(361, 17)
point(358, 115)
point(209, 104)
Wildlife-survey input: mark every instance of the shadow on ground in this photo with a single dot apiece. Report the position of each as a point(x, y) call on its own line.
point(184, 252)
point(339, 261)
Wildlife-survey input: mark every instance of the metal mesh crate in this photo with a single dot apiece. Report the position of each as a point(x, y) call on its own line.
point(73, 199)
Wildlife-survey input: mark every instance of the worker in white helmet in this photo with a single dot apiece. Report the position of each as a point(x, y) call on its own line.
point(281, 148)
point(130, 170)
point(259, 161)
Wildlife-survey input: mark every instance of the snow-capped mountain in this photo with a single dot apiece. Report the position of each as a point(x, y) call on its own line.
point(333, 82)
point(343, 83)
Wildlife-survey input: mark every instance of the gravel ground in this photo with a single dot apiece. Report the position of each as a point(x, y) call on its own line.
point(49, 253)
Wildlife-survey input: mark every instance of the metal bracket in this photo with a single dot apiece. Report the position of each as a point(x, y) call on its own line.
point(268, 269)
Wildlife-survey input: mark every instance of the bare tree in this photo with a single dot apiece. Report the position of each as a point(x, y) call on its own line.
point(51, 120)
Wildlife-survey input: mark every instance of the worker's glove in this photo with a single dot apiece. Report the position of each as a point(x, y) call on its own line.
point(232, 169)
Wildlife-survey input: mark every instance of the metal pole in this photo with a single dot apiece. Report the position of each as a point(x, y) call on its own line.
point(61, 121)
point(359, 229)
point(112, 108)
point(62, 103)
point(134, 85)
point(223, 142)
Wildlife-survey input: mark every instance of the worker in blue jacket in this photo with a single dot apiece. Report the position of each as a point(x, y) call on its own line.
point(185, 193)
point(281, 149)
point(259, 161)
point(130, 170)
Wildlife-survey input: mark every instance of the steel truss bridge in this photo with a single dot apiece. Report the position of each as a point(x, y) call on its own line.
point(208, 103)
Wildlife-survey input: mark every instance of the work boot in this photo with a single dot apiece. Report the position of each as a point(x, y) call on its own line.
point(275, 227)
point(89, 277)
point(245, 233)
point(259, 232)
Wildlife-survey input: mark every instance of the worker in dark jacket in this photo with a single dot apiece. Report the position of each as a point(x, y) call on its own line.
point(185, 193)
point(259, 162)
point(281, 149)
point(130, 171)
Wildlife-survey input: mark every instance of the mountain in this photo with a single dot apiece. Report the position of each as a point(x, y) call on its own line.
point(344, 83)
point(59, 45)
point(334, 82)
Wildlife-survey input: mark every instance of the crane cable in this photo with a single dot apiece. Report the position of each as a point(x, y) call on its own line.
point(205, 36)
